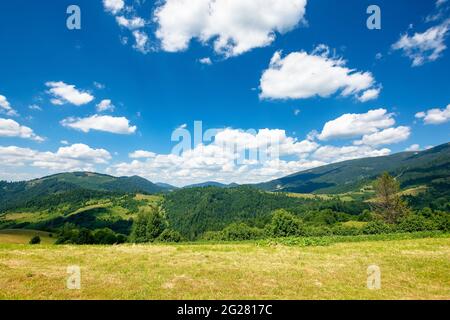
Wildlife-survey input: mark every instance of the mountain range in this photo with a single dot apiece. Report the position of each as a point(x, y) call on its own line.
point(410, 168)
point(427, 167)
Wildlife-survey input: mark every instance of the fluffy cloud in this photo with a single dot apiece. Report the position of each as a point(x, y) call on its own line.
point(10, 128)
point(275, 141)
point(206, 61)
point(370, 94)
point(413, 147)
point(239, 156)
point(234, 26)
point(386, 136)
point(141, 41)
point(75, 157)
point(141, 154)
point(5, 107)
point(336, 154)
point(356, 125)
point(435, 116)
point(66, 93)
point(130, 23)
point(424, 47)
point(119, 125)
point(105, 105)
point(233, 156)
point(113, 6)
point(301, 75)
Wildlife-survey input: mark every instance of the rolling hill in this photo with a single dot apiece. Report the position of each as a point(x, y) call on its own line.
point(427, 167)
point(65, 186)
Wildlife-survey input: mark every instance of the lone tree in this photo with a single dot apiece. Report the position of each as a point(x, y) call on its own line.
point(389, 204)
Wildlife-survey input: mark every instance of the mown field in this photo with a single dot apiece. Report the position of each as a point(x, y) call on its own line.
point(410, 269)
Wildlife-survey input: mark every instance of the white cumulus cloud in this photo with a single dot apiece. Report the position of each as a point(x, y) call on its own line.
point(435, 116)
point(113, 6)
point(234, 26)
point(67, 93)
point(119, 125)
point(10, 128)
point(356, 125)
point(5, 107)
point(105, 105)
point(424, 47)
point(130, 23)
point(140, 154)
point(77, 157)
point(301, 75)
point(386, 136)
point(337, 154)
point(413, 147)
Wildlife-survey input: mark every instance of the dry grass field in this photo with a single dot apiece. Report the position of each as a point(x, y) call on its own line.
point(410, 269)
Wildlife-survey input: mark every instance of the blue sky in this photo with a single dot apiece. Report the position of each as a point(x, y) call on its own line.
point(309, 75)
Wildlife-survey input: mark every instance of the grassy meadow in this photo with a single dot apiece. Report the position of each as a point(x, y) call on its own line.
point(410, 269)
point(22, 236)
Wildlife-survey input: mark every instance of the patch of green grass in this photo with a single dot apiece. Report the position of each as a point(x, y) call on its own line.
point(410, 269)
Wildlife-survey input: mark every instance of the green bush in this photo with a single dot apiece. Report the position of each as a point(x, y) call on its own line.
point(415, 223)
point(285, 224)
point(366, 216)
point(148, 226)
point(105, 236)
point(376, 227)
point(241, 231)
point(313, 231)
point(70, 234)
point(170, 235)
point(342, 230)
point(35, 240)
point(121, 238)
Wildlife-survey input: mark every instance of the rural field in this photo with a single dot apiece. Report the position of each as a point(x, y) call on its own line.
point(410, 269)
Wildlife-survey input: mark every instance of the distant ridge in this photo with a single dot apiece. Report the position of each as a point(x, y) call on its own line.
point(411, 168)
point(211, 184)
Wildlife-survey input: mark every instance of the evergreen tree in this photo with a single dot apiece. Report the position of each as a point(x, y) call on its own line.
point(389, 205)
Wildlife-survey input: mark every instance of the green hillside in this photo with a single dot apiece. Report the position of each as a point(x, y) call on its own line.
point(324, 197)
point(430, 167)
point(69, 188)
point(194, 211)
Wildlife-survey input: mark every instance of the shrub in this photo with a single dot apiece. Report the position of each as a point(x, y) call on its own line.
point(84, 237)
point(212, 236)
point(376, 227)
point(170, 235)
point(121, 238)
point(35, 240)
point(148, 226)
point(285, 224)
point(342, 230)
point(105, 236)
point(366, 216)
point(311, 231)
point(241, 231)
point(415, 223)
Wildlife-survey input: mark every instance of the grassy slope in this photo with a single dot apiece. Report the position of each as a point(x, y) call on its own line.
point(24, 236)
point(411, 269)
